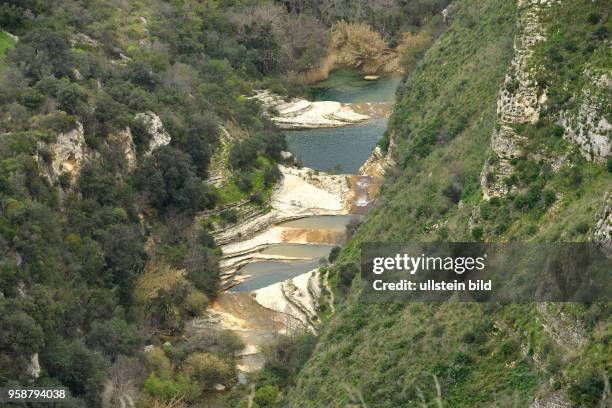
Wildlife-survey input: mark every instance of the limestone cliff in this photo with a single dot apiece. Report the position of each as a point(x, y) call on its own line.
point(518, 101)
point(603, 229)
point(590, 126)
point(522, 99)
point(67, 154)
point(155, 129)
point(125, 143)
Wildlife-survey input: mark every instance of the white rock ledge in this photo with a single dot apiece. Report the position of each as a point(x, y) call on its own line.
point(299, 113)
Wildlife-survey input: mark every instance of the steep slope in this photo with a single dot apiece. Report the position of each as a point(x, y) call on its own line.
point(488, 75)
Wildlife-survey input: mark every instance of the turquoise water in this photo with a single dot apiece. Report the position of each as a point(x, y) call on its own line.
point(266, 273)
point(347, 86)
point(323, 149)
point(349, 147)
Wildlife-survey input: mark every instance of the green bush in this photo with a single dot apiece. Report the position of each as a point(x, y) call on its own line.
point(207, 369)
point(266, 396)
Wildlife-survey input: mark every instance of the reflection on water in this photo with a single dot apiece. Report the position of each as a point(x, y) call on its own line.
point(348, 86)
point(324, 149)
point(350, 146)
point(266, 273)
point(298, 250)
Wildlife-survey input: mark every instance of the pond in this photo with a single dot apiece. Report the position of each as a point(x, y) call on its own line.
point(345, 149)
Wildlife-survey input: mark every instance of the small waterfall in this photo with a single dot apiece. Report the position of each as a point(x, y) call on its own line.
point(362, 197)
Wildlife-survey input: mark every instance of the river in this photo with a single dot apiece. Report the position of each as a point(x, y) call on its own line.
point(343, 149)
point(262, 302)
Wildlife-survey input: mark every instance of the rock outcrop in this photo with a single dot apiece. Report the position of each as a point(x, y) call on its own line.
point(589, 127)
point(296, 297)
point(519, 101)
point(67, 154)
point(218, 170)
point(567, 332)
point(602, 232)
point(376, 165)
point(557, 399)
point(125, 143)
point(298, 113)
point(155, 129)
point(33, 369)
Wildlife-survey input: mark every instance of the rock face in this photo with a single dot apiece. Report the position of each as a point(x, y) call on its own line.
point(296, 297)
point(567, 332)
point(84, 39)
point(301, 193)
point(589, 128)
point(218, 171)
point(126, 144)
point(33, 369)
point(68, 153)
point(155, 129)
point(518, 101)
point(376, 165)
point(557, 399)
point(602, 232)
point(302, 114)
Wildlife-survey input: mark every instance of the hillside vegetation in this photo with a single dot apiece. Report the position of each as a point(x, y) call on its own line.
point(476, 355)
point(126, 134)
point(6, 43)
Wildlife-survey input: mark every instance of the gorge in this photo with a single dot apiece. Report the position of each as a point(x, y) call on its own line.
point(270, 268)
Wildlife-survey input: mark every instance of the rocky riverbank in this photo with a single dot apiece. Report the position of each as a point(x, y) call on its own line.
point(296, 113)
point(290, 305)
point(300, 193)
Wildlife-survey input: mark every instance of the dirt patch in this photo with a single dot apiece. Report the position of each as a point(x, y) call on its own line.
point(313, 236)
point(373, 109)
point(240, 311)
point(364, 189)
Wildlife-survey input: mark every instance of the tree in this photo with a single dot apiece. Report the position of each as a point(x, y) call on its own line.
point(333, 254)
point(96, 183)
point(203, 269)
point(70, 96)
point(266, 396)
point(140, 73)
point(113, 337)
point(78, 368)
point(243, 154)
point(168, 179)
point(44, 52)
point(207, 369)
point(125, 257)
point(20, 338)
point(201, 135)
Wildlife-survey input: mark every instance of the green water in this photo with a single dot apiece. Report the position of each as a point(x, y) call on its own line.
point(323, 149)
point(266, 273)
point(343, 149)
point(348, 86)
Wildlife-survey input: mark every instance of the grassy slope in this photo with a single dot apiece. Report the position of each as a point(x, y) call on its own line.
point(6, 43)
point(481, 354)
